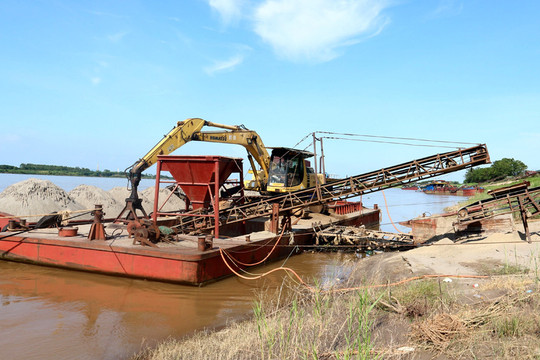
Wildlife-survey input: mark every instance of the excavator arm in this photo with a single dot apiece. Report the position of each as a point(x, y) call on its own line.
point(248, 139)
point(190, 130)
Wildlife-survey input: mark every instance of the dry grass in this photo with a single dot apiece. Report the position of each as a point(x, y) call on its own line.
point(506, 327)
point(313, 325)
point(425, 319)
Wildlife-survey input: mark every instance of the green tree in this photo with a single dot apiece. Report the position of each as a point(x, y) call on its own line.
point(499, 170)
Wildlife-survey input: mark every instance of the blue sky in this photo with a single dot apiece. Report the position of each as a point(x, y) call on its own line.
point(98, 83)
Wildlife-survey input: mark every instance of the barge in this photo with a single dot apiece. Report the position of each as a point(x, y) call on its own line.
point(221, 232)
point(445, 188)
point(181, 260)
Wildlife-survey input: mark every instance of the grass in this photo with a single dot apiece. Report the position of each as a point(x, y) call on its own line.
point(323, 325)
point(313, 325)
point(500, 318)
point(514, 267)
point(534, 182)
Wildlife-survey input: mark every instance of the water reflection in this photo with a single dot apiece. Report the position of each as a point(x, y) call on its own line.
point(48, 313)
point(68, 314)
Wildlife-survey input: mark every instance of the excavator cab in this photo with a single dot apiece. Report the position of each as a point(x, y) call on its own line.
point(289, 170)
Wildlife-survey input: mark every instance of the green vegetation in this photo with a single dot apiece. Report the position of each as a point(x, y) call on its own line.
point(39, 169)
point(533, 180)
point(431, 318)
point(499, 170)
point(310, 325)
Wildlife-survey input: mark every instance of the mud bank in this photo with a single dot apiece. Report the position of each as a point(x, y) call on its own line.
point(483, 302)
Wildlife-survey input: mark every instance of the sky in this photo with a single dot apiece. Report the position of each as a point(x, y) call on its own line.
point(98, 83)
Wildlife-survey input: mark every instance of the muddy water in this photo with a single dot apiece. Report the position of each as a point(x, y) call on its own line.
point(48, 313)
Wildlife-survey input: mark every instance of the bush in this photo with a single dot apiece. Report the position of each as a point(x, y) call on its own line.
point(499, 170)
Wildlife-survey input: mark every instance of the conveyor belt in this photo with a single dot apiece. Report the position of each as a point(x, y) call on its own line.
point(385, 178)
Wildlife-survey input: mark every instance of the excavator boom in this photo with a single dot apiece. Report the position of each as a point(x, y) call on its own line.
point(190, 130)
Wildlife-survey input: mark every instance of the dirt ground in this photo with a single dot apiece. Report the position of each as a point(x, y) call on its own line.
point(492, 315)
point(465, 255)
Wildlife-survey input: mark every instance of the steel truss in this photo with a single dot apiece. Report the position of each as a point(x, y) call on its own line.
point(511, 199)
point(385, 178)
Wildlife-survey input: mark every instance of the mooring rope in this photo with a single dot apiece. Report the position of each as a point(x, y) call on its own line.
point(261, 261)
point(311, 288)
point(389, 217)
point(41, 215)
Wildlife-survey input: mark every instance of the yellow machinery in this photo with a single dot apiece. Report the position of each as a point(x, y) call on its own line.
point(284, 171)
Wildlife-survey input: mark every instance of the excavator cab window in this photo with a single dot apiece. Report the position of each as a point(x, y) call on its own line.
point(286, 168)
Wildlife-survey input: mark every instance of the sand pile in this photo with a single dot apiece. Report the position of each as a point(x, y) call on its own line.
point(119, 194)
point(173, 204)
point(34, 197)
point(147, 195)
point(89, 196)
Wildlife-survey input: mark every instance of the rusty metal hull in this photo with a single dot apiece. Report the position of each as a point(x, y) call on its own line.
point(457, 192)
point(176, 264)
point(188, 266)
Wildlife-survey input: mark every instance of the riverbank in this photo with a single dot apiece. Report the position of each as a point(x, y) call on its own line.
point(533, 180)
point(56, 170)
point(479, 298)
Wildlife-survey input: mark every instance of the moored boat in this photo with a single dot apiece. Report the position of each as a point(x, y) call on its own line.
point(441, 187)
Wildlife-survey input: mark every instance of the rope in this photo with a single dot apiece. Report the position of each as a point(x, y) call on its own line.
point(30, 229)
point(389, 142)
point(41, 215)
point(312, 289)
point(397, 138)
point(263, 260)
point(389, 217)
point(430, 276)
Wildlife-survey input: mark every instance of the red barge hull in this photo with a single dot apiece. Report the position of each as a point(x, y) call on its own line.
point(460, 192)
point(180, 262)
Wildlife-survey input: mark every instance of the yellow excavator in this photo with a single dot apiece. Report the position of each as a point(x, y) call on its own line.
point(284, 170)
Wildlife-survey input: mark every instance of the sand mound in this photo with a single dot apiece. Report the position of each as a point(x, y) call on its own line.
point(35, 196)
point(89, 196)
point(119, 194)
point(173, 204)
point(147, 195)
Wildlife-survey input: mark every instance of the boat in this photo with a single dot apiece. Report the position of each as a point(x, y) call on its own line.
point(221, 233)
point(184, 259)
point(441, 187)
point(410, 187)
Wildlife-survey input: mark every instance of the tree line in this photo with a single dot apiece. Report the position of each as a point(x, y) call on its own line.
point(500, 169)
point(40, 169)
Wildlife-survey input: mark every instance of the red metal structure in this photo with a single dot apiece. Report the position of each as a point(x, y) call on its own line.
point(200, 177)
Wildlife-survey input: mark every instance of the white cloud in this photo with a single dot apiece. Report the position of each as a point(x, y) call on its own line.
point(226, 65)
point(9, 138)
point(117, 37)
point(230, 11)
point(447, 8)
point(96, 80)
point(314, 30)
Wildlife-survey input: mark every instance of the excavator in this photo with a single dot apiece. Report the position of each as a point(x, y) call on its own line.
point(284, 170)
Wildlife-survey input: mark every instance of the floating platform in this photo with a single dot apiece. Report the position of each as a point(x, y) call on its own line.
point(441, 187)
point(177, 261)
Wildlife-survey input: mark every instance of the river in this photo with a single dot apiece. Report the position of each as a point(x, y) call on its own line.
point(49, 313)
